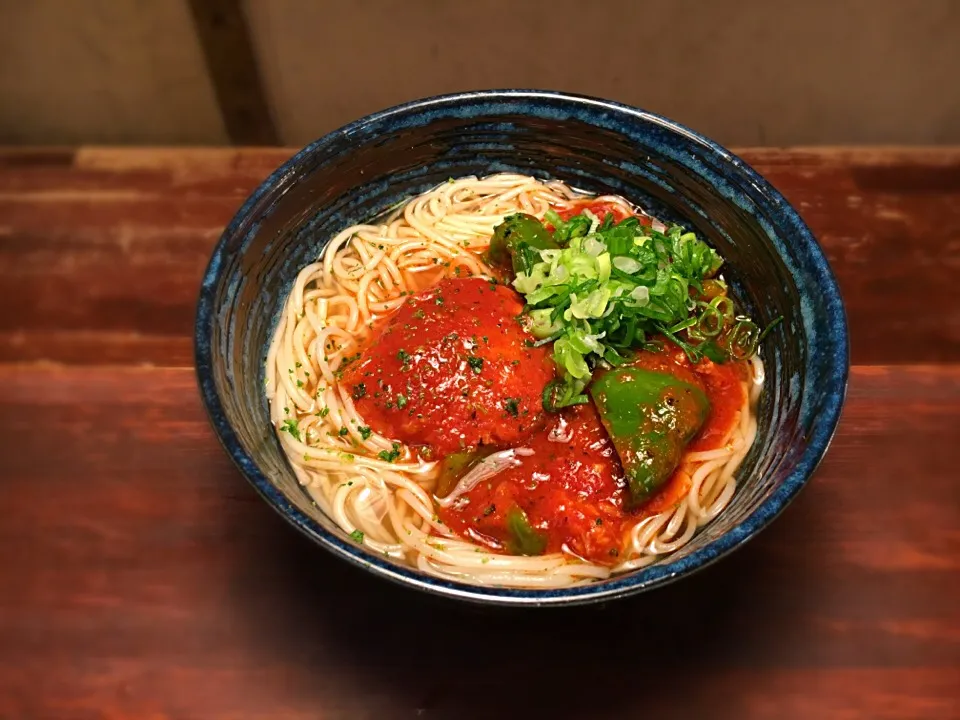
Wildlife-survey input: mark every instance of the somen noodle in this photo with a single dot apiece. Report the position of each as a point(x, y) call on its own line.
point(382, 491)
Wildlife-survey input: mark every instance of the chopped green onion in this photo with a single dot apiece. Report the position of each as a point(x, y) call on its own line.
point(710, 323)
point(601, 288)
point(743, 339)
point(773, 323)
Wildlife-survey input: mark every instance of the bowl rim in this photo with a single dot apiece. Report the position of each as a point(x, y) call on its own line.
point(822, 432)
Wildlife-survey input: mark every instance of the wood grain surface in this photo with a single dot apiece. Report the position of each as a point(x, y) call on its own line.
point(101, 251)
point(141, 577)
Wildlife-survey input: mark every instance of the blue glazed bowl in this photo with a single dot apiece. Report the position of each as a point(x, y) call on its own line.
point(773, 262)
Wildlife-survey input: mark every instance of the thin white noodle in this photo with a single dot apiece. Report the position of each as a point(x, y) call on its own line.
point(364, 274)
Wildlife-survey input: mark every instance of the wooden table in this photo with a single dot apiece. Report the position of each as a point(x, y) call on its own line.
point(141, 577)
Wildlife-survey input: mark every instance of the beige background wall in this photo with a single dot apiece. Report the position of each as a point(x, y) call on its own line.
point(103, 71)
point(747, 72)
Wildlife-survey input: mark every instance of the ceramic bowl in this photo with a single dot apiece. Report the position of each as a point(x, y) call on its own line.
point(774, 264)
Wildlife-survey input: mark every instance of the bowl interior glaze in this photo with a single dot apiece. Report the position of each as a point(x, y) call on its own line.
point(774, 265)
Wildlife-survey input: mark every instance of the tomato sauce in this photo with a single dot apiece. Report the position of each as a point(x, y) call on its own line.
point(452, 369)
point(600, 210)
point(574, 492)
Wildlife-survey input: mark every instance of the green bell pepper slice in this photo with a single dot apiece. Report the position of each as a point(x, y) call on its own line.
point(516, 242)
point(650, 417)
point(524, 539)
point(453, 467)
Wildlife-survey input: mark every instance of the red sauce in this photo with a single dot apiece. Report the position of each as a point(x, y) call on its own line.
point(453, 369)
point(571, 491)
point(600, 210)
point(574, 492)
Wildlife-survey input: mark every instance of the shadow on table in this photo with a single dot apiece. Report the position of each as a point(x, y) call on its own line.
point(370, 648)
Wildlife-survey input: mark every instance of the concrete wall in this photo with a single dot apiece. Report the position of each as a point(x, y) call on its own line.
point(746, 72)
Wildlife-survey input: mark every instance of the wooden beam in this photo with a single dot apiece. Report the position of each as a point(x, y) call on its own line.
point(224, 36)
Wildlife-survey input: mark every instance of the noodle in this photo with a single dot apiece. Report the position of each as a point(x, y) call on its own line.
point(364, 274)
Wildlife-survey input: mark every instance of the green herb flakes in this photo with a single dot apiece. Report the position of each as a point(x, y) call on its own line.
point(391, 455)
point(291, 426)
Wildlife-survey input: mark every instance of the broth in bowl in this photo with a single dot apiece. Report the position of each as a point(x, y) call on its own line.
point(497, 387)
point(505, 381)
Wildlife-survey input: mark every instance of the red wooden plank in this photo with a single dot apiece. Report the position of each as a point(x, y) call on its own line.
point(114, 242)
point(141, 576)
